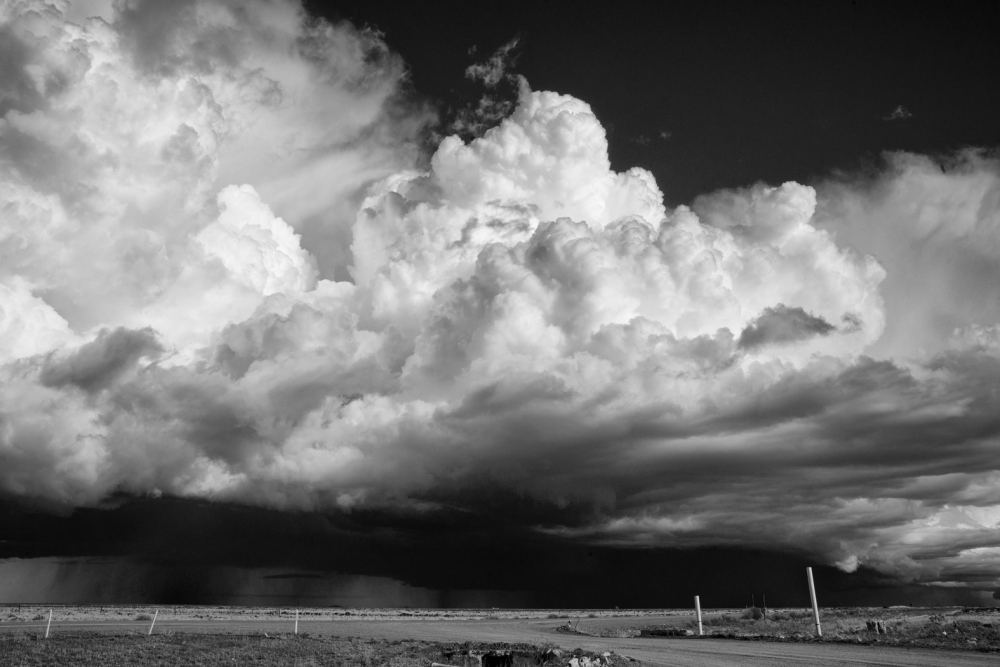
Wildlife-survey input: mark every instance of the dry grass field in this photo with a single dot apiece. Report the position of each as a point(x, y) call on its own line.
point(197, 636)
point(956, 628)
point(302, 650)
point(10, 613)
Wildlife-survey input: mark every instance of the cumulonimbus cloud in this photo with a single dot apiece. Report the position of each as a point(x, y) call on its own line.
point(182, 310)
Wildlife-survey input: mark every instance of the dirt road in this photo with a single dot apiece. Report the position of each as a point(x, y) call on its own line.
point(653, 651)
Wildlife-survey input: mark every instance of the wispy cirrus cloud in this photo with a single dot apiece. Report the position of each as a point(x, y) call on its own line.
point(899, 113)
point(504, 87)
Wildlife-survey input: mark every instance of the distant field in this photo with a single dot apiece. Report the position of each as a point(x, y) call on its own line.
point(196, 636)
point(22, 613)
point(955, 627)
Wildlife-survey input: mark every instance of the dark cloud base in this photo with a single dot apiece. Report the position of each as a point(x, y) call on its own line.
point(172, 551)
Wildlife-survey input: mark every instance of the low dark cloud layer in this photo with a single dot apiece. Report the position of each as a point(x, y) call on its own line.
point(186, 552)
point(504, 344)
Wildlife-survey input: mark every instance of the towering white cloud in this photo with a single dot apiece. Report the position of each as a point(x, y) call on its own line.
point(176, 314)
point(28, 325)
point(118, 138)
point(934, 226)
point(553, 152)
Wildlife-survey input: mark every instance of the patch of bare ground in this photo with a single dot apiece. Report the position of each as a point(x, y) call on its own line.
point(30, 649)
point(976, 629)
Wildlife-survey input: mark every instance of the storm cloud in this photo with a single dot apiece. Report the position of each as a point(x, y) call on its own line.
point(227, 273)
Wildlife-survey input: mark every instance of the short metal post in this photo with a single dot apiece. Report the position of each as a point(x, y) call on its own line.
point(49, 625)
point(812, 596)
point(697, 609)
point(296, 621)
point(155, 613)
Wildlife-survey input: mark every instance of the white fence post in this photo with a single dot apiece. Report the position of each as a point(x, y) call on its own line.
point(155, 613)
point(296, 621)
point(812, 596)
point(697, 608)
point(49, 625)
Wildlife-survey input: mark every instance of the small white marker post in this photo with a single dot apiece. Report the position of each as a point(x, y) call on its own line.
point(697, 608)
point(296, 621)
point(49, 625)
point(155, 613)
point(812, 596)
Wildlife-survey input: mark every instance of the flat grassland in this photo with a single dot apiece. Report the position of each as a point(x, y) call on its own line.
point(119, 635)
point(196, 650)
point(201, 636)
point(126, 613)
point(976, 629)
point(303, 650)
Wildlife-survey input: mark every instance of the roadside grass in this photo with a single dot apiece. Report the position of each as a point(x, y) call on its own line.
point(777, 624)
point(287, 650)
point(202, 650)
point(963, 629)
point(971, 628)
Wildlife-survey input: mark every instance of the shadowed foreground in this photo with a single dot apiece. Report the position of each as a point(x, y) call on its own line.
point(136, 650)
point(406, 642)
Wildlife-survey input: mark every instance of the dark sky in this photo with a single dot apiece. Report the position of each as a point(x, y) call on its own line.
point(746, 91)
point(268, 335)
